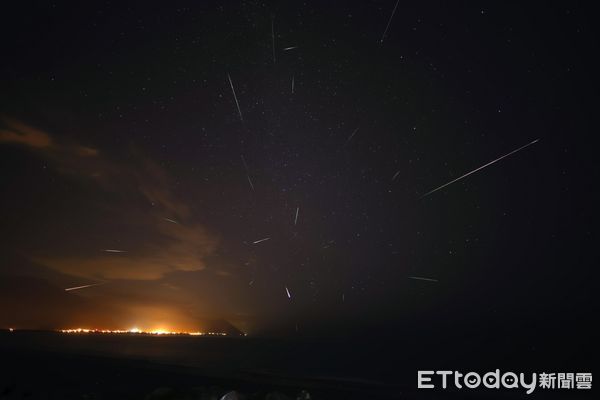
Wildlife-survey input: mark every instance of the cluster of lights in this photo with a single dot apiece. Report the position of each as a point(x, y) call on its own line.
point(139, 331)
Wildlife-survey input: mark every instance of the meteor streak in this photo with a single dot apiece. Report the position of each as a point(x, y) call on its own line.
point(84, 286)
point(273, 38)
point(351, 136)
point(419, 278)
point(389, 22)
point(480, 168)
point(235, 98)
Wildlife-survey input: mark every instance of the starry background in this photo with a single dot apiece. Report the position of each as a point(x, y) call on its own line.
point(117, 118)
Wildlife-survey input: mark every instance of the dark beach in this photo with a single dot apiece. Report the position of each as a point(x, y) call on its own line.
point(52, 365)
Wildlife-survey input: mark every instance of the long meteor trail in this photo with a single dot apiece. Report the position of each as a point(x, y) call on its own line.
point(480, 168)
point(84, 286)
point(235, 98)
point(389, 22)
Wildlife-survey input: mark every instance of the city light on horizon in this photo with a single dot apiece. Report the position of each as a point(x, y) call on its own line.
point(137, 331)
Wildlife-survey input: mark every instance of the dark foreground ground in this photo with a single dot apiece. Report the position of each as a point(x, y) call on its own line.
point(51, 376)
point(46, 365)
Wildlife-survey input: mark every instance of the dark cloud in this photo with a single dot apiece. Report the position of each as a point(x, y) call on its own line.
point(28, 302)
point(183, 248)
point(178, 246)
point(19, 133)
point(140, 200)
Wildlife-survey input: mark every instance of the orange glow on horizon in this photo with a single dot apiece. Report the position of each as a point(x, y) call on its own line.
point(137, 331)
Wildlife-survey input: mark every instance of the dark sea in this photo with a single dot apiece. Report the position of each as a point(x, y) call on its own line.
point(133, 365)
point(52, 365)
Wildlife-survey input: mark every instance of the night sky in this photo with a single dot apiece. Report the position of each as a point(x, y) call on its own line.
point(119, 130)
